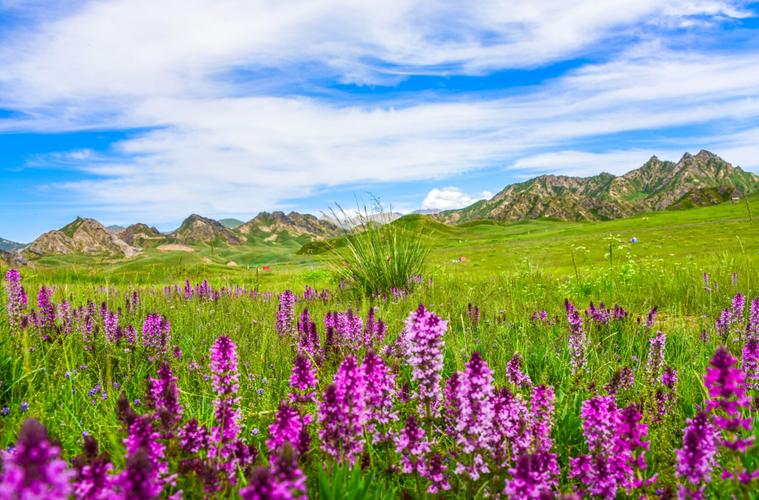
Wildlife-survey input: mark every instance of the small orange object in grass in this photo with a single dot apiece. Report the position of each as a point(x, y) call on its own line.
point(266, 268)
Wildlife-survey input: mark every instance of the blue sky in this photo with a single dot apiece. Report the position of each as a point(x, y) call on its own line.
point(136, 110)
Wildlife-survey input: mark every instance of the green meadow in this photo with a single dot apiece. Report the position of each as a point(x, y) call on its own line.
point(508, 271)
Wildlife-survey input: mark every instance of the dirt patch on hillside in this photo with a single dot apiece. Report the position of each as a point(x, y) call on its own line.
point(175, 247)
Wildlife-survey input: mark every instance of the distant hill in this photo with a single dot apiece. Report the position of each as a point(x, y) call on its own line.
point(696, 180)
point(82, 236)
point(10, 246)
point(196, 229)
point(141, 235)
point(231, 223)
point(271, 225)
point(115, 228)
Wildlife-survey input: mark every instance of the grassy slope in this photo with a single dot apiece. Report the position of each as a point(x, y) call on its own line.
point(495, 247)
point(511, 271)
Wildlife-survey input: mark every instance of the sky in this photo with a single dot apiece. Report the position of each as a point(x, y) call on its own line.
point(143, 111)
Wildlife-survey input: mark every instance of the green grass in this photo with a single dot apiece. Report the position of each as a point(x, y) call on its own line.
point(509, 271)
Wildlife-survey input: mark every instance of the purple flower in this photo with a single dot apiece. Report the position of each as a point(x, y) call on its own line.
point(343, 413)
point(631, 449)
point(142, 436)
point(412, 446)
point(541, 421)
point(510, 426)
point(665, 395)
point(155, 334)
point(374, 329)
point(17, 301)
point(423, 344)
point(750, 362)
point(348, 327)
point(577, 340)
point(697, 458)
point(752, 327)
point(598, 314)
point(303, 379)
point(727, 390)
point(473, 428)
point(655, 362)
point(624, 378)
point(138, 479)
point(46, 315)
point(531, 477)
point(193, 437)
point(111, 327)
point(163, 397)
point(379, 394)
point(93, 479)
point(515, 374)
point(283, 480)
point(226, 405)
point(308, 338)
point(618, 313)
point(287, 427)
point(436, 474)
point(66, 317)
point(651, 317)
point(602, 470)
point(34, 468)
point(285, 314)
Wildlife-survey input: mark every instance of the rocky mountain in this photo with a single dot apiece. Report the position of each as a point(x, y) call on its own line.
point(115, 228)
point(231, 223)
point(10, 246)
point(695, 180)
point(271, 224)
point(141, 235)
point(197, 229)
point(82, 236)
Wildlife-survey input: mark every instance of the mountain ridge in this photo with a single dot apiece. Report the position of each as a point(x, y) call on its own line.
point(695, 180)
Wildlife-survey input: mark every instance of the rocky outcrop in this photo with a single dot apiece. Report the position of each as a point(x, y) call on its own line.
point(141, 235)
point(695, 180)
point(196, 229)
point(82, 236)
point(294, 223)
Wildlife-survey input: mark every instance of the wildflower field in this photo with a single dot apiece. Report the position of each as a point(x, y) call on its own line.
point(551, 363)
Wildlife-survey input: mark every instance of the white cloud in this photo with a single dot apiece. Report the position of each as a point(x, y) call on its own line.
point(242, 154)
point(449, 198)
point(128, 49)
point(218, 142)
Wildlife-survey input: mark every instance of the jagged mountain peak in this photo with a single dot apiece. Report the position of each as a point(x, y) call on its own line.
point(695, 180)
point(82, 235)
point(199, 229)
point(293, 223)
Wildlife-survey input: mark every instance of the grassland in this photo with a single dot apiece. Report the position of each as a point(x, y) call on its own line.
point(508, 271)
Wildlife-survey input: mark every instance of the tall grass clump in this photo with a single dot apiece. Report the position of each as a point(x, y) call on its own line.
point(377, 255)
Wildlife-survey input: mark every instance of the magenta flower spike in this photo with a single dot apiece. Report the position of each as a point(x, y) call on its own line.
point(155, 335)
point(34, 468)
point(697, 458)
point(224, 378)
point(285, 322)
point(343, 413)
point(380, 394)
point(423, 343)
point(286, 428)
point(17, 300)
point(303, 380)
point(515, 374)
point(413, 447)
point(163, 398)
